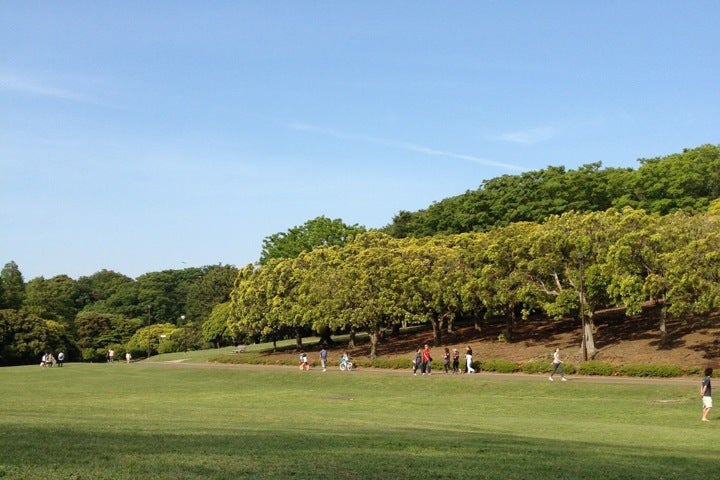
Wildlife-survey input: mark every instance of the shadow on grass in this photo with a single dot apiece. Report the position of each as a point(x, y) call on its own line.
point(324, 453)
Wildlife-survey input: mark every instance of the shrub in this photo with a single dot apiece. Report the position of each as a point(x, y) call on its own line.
point(652, 371)
point(497, 365)
point(398, 364)
point(536, 367)
point(593, 367)
point(693, 370)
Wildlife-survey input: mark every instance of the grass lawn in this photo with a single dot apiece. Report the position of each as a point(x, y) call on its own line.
point(115, 422)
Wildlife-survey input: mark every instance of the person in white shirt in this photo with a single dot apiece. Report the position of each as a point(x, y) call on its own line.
point(557, 366)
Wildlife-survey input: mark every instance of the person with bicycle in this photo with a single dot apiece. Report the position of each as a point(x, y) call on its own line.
point(345, 363)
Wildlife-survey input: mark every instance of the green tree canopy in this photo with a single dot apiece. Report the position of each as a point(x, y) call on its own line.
point(318, 232)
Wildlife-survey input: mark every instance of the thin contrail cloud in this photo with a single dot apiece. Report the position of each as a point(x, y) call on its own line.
point(412, 147)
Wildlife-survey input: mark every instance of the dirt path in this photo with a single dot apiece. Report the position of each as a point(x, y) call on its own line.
point(687, 381)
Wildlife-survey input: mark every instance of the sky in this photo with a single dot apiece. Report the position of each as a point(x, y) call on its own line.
point(143, 136)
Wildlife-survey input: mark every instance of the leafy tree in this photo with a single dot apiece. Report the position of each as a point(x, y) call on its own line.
point(165, 293)
point(12, 287)
point(502, 280)
point(318, 232)
point(149, 340)
point(57, 298)
point(26, 337)
point(212, 289)
point(686, 181)
point(215, 329)
point(101, 285)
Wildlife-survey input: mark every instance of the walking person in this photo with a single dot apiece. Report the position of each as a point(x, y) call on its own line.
point(706, 394)
point(557, 366)
point(469, 360)
point(60, 359)
point(446, 360)
point(323, 358)
point(456, 361)
point(426, 360)
point(417, 361)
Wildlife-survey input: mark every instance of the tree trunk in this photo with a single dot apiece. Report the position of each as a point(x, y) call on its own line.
point(298, 340)
point(664, 340)
point(509, 325)
point(589, 340)
point(373, 344)
point(326, 337)
point(478, 326)
point(451, 324)
point(436, 331)
point(351, 341)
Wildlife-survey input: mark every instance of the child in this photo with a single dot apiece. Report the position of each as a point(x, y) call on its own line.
point(706, 394)
point(456, 360)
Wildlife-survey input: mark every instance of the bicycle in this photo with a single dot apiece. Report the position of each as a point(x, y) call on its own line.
point(345, 365)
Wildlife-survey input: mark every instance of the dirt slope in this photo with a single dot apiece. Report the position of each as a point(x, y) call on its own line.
point(620, 341)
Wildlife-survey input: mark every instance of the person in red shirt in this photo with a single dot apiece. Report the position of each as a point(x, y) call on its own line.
point(426, 360)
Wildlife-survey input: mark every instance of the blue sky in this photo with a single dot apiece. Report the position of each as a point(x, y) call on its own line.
point(143, 136)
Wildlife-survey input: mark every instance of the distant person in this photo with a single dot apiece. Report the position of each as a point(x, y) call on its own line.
point(417, 361)
point(323, 358)
point(446, 360)
point(128, 357)
point(706, 394)
point(60, 359)
point(111, 355)
point(426, 360)
point(468, 360)
point(557, 366)
point(304, 362)
point(345, 363)
point(43, 360)
point(456, 361)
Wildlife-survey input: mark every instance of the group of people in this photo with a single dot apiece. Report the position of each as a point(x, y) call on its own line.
point(423, 361)
point(49, 360)
point(304, 363)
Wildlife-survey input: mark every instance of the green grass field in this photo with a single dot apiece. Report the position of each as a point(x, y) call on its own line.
point(115, 422)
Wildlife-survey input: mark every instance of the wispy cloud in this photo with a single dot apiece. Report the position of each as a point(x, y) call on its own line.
point(12, 83)
point(413, 147)
point(34, 87)
point(530, 136)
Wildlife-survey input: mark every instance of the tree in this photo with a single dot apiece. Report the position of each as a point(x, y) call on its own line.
point(215, 329)
point(56, 299)
point(502, 280)
point(209, 291)
point(318, 232)
point(166, 293)
point(101, 285)
point(12, 287)
point(27, 336)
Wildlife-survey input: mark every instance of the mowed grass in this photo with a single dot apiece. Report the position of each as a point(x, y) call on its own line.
point(115, 422)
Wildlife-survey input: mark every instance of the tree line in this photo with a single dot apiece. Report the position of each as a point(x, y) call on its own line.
point(686, 181)
point(157, 312)
point(590, 261)
point(515, 247)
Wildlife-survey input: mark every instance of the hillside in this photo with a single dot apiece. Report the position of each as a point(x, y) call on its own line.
point(620, 342)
